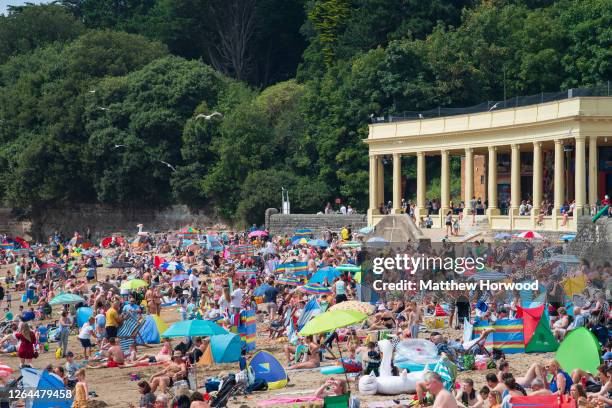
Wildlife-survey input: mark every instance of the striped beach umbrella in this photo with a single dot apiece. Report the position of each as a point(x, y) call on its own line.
point(289, 281)
point(315, 289)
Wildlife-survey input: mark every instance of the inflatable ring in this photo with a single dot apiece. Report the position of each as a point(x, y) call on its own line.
point(335, 369)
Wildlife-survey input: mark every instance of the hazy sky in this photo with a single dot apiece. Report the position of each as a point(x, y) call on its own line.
point(5, 3)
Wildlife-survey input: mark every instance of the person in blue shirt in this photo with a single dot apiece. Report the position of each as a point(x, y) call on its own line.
point(561, 381)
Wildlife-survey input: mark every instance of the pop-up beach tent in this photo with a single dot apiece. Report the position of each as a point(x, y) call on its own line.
point(536, 331)
point(267, 367)
point(579, 349)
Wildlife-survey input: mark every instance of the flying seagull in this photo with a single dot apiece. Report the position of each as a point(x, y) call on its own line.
point(102, 108)
point(209, 117)
point(118, 146)
point(171, 167)
point(494, 106)
point(421, 116)
point(92, 91)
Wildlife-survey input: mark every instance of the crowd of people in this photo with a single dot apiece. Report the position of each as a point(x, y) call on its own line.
point(183, 270)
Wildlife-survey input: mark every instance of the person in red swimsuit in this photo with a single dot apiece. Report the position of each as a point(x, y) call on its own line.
point(27, 339)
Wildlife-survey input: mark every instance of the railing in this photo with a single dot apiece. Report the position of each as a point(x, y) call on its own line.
point(515, 102)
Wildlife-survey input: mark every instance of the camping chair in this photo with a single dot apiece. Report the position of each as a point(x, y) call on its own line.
point(338, 401)
point(129, 331)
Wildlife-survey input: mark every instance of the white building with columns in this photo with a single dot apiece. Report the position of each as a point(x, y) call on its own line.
point(569, 133)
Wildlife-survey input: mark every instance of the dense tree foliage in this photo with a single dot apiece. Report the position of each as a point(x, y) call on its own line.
point(108, 101)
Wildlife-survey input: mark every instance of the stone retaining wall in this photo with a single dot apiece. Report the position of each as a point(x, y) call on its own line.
point(281, 224)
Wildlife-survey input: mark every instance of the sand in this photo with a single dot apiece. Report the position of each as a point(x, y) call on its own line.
point(115, 388)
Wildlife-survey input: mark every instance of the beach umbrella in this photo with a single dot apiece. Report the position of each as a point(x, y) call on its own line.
point(318, 243)
point(66, 299)
point(172, 266)
point(377, 242)
point(5, 370)
point(315, 289)
point(350, 244)
point(574, 286)
point(246, 271)
point(194, 328)
point(329, 273)
point(362, 307)
point(332, 320)
point(258, 233)
point(179, 278)
point(289, 281)
point(348, 267)
point(366, 230)
point(529, 235)
point(134, 284)
point(502, 235)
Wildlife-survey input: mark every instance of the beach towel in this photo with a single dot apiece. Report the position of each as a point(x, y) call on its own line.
point(290, 401)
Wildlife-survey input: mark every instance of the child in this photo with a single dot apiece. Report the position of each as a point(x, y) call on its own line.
point(183, 311)
point(42, 338)
point(373, 359)
point(9, 298)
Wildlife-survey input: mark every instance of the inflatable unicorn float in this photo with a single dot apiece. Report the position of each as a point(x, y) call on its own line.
point(421, 351)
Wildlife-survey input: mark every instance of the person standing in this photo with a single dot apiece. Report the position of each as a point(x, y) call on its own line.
point(113, 320)
point(340, 289)
point(64, 332)
point(85, 335)
point(27, 339)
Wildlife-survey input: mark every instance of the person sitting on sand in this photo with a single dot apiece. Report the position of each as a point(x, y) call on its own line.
point(442, 398)
point(538, 388)
point(115, 356)
point(332, 387)
point(175, 371)
point(467, 396)
point(313, 359)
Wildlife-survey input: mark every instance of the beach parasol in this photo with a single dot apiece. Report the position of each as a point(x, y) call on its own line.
point(246, 271)
point(315, 289)
point(321, 243)
point(329, 273)
point(194, 328)
point(179, 278)
point(172, 266)
point(289, 281)
point(348, 267)
point(366, 230)
point(361, 307)
point(5, 370)
point(66, 299)
point(529, 235)
point(332, 320)
point(574, 286)
point(258, 233)
point(134, 284)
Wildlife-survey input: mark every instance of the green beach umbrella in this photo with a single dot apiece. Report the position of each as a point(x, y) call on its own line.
point(66, 299)
point(134, 284)
point(194, 328)
point(349, 267)
point(332, 320)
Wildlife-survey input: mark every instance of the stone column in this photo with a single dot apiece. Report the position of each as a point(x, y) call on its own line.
point(469, 179)
point(515, 179)
point(559, 181)
point(380, 188)
point(373, 186)
point(397, 183)
point(492, 181)
point(445, 183)
point(580, 174)
point(593, 171)
point(537, 178)
point(421, 211)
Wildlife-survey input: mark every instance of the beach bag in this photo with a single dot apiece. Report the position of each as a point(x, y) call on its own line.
point(469, 362)
point(212, 384)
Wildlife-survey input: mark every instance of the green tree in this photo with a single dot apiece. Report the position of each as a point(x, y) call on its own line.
point(27, 28)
